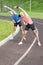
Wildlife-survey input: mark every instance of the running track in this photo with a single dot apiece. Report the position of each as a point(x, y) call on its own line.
point(11, 51)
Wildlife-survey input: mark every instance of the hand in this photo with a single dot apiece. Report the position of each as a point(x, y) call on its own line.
point(16, 6)
point(5, 6)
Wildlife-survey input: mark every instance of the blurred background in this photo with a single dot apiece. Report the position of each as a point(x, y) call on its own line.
point(28, 5)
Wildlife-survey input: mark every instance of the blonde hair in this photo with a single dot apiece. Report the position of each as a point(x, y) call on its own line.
point(21, 13)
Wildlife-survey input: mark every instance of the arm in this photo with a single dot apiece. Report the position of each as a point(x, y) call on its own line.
point(23, 11)
point(24, 23)
point(10, 9)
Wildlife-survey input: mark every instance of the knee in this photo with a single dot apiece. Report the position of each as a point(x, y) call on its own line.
point(25, 32)
point(37, 31)
point(21, 29)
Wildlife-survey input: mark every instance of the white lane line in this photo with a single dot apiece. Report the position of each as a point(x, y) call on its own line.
point(5, 40)
point(8, 38)
point(21, 58)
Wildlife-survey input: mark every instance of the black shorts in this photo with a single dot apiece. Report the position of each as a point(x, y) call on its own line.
point(19, 23)
point(30, 26)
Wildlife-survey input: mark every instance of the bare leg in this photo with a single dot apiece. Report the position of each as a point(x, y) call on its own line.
point(21, 29)
point(37, 36)
point(25, 32)
point(13, 31)
point(12, 36)
point(24, 35)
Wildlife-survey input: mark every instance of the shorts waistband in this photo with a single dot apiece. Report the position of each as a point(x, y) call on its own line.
point(18, 21)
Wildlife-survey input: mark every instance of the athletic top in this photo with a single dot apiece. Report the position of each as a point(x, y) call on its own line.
point(27, 20)
point(16, 18)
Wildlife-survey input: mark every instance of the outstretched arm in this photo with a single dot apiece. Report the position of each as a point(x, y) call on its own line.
point(10, 9)
point(23, 11)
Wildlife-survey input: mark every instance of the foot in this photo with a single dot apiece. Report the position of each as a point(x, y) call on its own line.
point(20, 43)
point(39, 43)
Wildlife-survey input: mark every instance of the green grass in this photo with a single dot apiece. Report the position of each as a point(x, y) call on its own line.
point(37, 5)
point(6, 28)
point(4, 14)
point(36, 15)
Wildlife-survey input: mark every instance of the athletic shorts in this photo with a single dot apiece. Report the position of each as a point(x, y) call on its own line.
point(19, 23)
point(30, 26)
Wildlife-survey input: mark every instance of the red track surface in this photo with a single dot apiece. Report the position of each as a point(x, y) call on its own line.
point(11, 52)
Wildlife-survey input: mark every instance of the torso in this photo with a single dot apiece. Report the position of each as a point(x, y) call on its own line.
point(27, 20)
point(16, 18)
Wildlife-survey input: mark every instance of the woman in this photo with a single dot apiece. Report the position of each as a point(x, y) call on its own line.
point(28, 25)
point(16, 20)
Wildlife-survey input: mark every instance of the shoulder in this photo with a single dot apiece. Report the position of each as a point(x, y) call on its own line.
point(15, 14)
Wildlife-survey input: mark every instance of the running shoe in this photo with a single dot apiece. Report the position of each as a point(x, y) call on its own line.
point(20, 43)
point(39, 43)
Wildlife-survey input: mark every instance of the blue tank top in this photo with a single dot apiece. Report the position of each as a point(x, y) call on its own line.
point(15, 17)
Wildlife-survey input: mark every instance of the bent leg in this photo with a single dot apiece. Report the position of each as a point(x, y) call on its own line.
point(24, 35)
point(37, 36)
point(13, 31)
point(21, 42)
point(35, 31)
